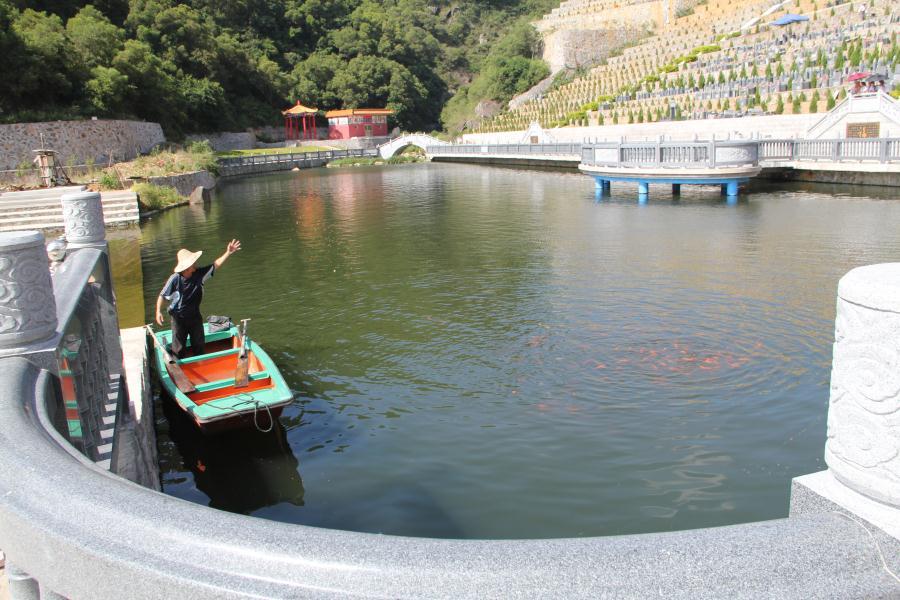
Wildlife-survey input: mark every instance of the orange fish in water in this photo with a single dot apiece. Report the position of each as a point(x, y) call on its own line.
point(537, 341)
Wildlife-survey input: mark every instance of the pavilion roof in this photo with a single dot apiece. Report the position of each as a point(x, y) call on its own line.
point(348, 112)
point(299, 109)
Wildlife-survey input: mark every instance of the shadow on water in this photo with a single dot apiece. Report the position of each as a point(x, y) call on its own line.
point(240, 471)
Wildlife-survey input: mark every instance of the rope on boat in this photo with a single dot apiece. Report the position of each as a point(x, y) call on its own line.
point(247, 399)
point(256, 404)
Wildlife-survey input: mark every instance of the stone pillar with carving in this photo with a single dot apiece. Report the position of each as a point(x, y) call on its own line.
point(83, 217)
point(863, 447)
point(27, 305)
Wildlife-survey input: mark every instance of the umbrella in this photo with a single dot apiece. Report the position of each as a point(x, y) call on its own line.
point(789, 18)
point(856, 76)
point(875, 78)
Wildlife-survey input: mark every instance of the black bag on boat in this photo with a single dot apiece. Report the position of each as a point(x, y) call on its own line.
point(217, 323)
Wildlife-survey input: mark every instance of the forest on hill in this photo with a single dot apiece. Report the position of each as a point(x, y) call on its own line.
point(215, 65)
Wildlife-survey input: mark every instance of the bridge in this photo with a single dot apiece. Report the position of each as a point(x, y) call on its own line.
point(421, 140)
point(726, 163)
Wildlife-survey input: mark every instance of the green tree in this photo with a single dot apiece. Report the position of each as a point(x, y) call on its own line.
point(47, 75)
point(106, 90)
point(94, 39)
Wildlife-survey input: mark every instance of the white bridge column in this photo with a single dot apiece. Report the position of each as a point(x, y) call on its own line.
point(863, 447)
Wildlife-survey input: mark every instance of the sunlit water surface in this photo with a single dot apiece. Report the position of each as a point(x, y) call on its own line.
point(482, 352)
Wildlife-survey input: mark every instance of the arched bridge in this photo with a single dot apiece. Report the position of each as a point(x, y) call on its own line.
point(421, 140)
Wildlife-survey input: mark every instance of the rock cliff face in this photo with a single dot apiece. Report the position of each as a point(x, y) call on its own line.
point(583, 32)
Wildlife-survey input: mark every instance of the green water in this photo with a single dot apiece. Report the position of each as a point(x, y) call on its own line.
point(482, 352)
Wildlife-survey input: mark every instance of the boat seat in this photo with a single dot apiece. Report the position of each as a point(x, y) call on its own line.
point(225, 387)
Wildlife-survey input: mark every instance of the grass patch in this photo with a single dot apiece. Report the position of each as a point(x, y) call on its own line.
point(197, 156)
point(356, 161)
point(156, 197)
point(255, 151)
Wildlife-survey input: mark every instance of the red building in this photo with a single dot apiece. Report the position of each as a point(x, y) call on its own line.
point(357, 122)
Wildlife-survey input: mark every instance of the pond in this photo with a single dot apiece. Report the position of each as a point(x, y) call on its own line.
point(484, 352)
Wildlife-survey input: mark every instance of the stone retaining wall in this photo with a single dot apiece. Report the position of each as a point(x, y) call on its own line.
point(768, 126)
point(185, 183)
point(77, 142)
point(256, 137)
point(225, 140)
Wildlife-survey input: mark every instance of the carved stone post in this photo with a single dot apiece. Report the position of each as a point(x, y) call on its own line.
point(83, 216)
point(21, 584)
point(863, 447)
point(27, 305)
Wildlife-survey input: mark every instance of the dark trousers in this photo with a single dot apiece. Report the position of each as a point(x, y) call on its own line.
point(184, 327)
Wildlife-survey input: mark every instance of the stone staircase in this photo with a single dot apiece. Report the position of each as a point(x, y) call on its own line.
point(41, 209)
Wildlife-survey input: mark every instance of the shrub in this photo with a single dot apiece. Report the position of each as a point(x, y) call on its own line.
point(155, 197)
point(109, 181)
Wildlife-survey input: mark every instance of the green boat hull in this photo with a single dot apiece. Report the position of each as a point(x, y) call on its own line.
point(217, 405)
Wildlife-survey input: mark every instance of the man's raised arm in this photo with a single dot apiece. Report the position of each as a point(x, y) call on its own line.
point(233, 246)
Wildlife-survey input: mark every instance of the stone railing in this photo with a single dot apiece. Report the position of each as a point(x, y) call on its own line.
point(882, 150)
point(567, 151)
point(422, 140)
point(871, 102)
point(70, 528)
point(710, 155)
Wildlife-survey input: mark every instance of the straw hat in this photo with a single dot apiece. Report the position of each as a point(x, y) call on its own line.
point(186, 258)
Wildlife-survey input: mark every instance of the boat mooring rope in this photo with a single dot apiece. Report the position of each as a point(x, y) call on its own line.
point(247, 399)
point(256, 404)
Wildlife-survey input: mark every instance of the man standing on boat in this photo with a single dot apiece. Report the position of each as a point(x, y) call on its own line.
point(184, 292)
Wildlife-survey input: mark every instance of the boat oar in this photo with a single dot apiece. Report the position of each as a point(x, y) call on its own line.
point(172, 367)
point(242, 371)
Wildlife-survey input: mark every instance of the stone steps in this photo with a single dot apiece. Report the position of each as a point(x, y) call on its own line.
point(42, 209)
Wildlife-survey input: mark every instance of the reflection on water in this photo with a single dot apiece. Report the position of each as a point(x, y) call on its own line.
point(125, 262)
point(241, 471)
point(483, 352)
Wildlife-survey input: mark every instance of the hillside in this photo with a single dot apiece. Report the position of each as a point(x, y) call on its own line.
point(204, 65)
point(718, 58)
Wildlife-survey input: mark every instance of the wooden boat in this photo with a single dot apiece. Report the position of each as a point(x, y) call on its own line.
point(208, 392)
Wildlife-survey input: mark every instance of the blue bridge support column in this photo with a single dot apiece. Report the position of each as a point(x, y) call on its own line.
point(601, 187)
point(643, 191)
point(731, 188)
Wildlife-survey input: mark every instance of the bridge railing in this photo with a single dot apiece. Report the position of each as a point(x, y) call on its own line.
point(883, 150)
point(291, 157)
point(526, 150)
point(67, 323)
point(711, 154)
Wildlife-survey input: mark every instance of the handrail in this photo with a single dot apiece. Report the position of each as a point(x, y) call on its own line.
point(85, 533)
point(690, 153)
point(291, 157)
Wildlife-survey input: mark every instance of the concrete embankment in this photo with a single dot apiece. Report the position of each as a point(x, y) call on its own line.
point(839, 173)
point(137, 458)
point(185, 183)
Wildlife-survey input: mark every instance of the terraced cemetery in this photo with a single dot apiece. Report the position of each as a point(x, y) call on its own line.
point(720, 58)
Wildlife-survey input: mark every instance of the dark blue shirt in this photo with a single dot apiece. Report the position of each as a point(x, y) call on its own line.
point(185, 293)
